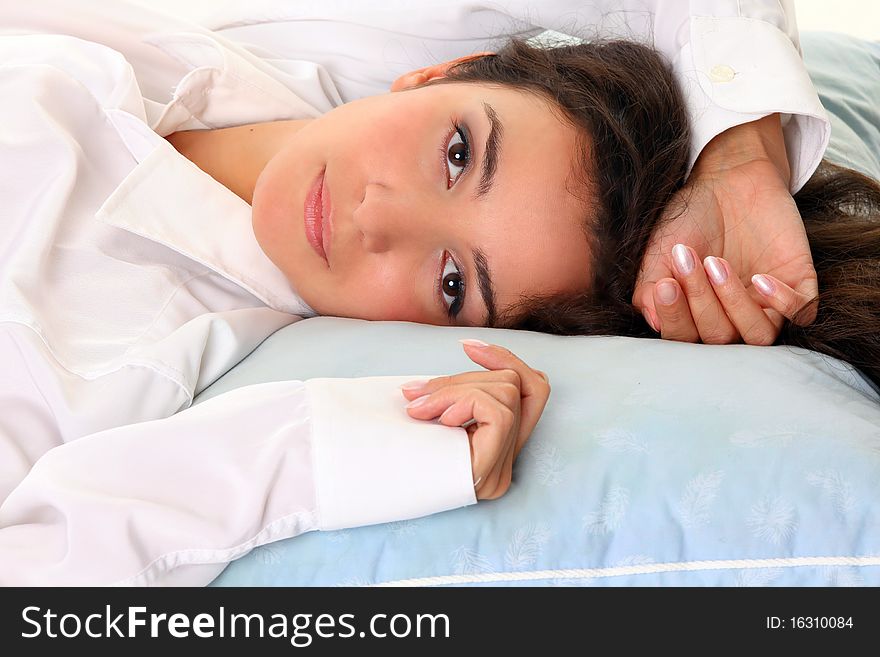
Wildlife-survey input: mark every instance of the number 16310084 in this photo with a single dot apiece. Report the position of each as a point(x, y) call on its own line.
point(809, 623)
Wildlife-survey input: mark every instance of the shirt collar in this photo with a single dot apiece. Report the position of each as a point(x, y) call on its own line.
point(168, 199)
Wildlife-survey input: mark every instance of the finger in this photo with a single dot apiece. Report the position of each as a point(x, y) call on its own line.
point(791, 304)
point(497, 482)
point(505, 473)
point(676, 322)
point(643, 299)
point(534, 389)
point(656, 264)
point(808, 290)
point(747, 316)
point(496, 427)
point(711, 321)
point(437, 403)
point(412, 389)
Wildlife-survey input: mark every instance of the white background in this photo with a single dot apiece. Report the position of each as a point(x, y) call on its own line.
point(858, 17)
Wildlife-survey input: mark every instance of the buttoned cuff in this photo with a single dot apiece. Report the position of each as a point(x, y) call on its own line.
point(737, 70)
point(373, 463)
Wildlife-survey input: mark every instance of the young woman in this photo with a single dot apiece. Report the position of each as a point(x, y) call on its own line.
point(142, 259)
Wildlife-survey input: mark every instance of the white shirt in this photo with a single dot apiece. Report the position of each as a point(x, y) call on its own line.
point(130, 280)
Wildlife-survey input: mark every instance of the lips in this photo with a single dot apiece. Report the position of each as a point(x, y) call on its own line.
point(316, 213)
point(326, 219)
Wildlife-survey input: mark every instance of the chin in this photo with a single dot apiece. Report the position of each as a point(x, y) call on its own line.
point(272, 228)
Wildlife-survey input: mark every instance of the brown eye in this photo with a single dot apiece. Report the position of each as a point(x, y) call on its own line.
point(452, 284)
point(458, 155)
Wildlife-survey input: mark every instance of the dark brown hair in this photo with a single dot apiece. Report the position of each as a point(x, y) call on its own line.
point(629, 110)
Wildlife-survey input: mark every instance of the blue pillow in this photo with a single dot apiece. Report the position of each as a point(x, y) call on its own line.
point(655, 463)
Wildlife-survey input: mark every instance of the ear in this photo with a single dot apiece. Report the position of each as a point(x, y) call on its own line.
point(422, 75)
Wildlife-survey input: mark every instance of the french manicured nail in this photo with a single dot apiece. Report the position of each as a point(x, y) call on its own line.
point(648, 319)
point(414, 384)
point(716, 270)
point(418, 402)
point(765, 285)
point(684, 261)
point(474, 343)
point(666, 293)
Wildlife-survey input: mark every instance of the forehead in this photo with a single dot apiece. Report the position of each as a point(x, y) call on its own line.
point(539, 143)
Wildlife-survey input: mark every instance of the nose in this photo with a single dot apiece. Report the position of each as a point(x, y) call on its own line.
point(389, 218)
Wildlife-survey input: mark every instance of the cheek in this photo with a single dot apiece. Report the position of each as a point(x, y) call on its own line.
point(382, 291)
point(394, 140)
point(270, 215)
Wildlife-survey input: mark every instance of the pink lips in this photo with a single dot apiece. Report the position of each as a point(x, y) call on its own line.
point(317, 213)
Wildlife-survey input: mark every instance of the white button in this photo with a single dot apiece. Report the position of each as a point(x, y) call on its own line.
point(722, 73)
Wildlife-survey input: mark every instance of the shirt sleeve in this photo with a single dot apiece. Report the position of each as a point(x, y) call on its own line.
point(736, 60)
point(172, 501)
point(740, 61)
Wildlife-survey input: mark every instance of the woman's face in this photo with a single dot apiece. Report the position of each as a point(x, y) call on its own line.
point(422, 212)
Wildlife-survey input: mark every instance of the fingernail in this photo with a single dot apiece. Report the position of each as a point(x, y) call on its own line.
point(479, 479)
point(474, 343)
point(648, 319)
point(765, 285)
point(414, 384)
point(716, 270)
point(666, 293)
point(418, 402)
point(684, 261)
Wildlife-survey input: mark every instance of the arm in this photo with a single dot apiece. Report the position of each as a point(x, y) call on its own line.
point(737, 205)
point(170, 502)
point(160, 48)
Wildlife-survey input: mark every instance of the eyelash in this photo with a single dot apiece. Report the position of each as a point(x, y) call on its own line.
point(462, 132)
point(455, 308)
point(456, 305)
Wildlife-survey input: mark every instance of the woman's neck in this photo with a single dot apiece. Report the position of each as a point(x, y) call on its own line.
point(236, 156)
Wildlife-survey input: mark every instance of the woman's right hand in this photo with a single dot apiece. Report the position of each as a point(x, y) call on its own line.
point(505, 402)
point(737, 207)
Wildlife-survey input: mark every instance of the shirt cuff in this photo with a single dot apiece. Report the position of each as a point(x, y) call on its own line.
point(373, 463)
point(737, 70)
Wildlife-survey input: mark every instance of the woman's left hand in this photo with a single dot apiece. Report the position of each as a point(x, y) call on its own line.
point(505, 402)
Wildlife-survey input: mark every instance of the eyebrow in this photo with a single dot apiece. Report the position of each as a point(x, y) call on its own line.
point(487, 291)
point(491, 153)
